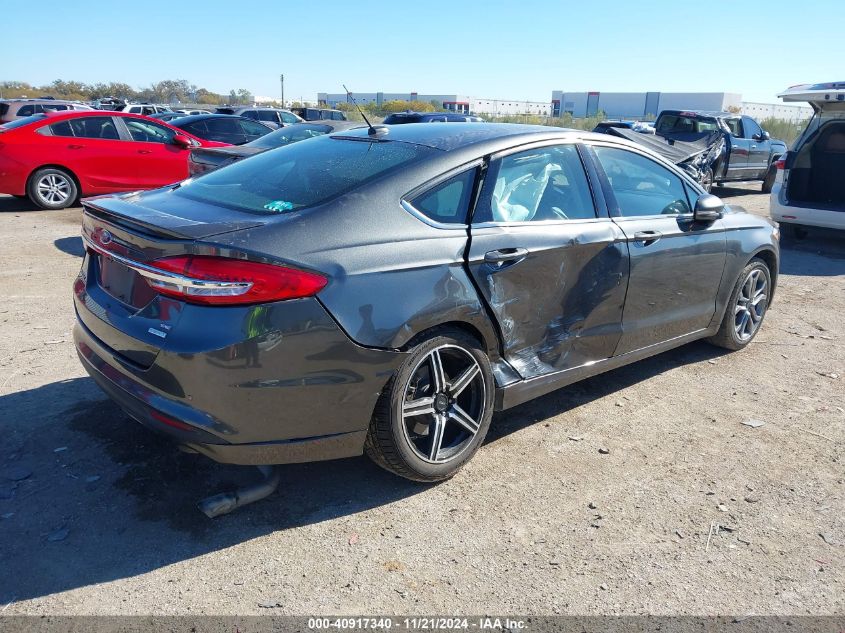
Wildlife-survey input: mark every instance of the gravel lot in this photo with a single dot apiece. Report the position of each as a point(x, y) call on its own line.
point(691, 512)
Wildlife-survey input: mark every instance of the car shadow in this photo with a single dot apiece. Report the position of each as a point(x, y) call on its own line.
point(11, 204)
point(821, 253)
point(87, 496)
point(70, 245)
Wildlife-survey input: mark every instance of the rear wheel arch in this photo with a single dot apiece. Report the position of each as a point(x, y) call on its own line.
point(467, 328)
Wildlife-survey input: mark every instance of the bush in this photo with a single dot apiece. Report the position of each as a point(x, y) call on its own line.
point(786, 131)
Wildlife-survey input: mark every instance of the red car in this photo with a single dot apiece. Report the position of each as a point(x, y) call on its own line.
point(54, 158)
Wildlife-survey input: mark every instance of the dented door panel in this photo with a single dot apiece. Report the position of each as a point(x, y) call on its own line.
point(558, 303)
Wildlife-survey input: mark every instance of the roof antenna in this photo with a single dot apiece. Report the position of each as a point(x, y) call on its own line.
point(371, 131)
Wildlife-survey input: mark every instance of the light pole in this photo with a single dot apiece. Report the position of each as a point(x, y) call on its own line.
point(282, 80)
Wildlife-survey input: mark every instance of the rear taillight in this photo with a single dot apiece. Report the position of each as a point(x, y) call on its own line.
point(780, 163)
point(225, 281)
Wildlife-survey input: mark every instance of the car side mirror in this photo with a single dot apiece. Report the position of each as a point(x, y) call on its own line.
point(708, 208)
point(765, 136)
point(180, 140)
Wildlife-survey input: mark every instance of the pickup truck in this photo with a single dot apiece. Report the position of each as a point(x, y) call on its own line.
point(749, 152)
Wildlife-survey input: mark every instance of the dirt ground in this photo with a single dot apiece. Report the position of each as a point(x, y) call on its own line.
point(691, 512)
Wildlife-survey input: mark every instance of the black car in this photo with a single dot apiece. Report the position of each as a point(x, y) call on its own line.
point(167, 116)
point(224, 128)
point(430, 117)
point(319, 114)
point(205, 159)
point(387, 289)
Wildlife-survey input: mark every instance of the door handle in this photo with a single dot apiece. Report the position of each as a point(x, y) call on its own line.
point(72, 146)
point(648, 237)
point(145, 151)
point(503, 255)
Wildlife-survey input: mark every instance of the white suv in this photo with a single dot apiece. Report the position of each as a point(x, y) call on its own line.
point(809, 189)
point(145, 108)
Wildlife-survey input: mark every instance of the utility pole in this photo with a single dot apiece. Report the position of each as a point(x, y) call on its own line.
point(282, 80)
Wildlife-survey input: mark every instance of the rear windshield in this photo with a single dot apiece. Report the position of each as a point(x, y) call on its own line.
point(290, 134)
point(24, 121)
point(300, 175)
point(676, 123)
point(402, 118)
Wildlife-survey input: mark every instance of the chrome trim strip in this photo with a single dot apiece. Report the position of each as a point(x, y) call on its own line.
point(163, 276)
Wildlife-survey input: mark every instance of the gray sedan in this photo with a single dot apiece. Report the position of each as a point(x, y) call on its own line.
point(387, 289)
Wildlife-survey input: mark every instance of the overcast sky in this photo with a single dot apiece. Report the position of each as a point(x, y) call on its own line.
point(514, 50)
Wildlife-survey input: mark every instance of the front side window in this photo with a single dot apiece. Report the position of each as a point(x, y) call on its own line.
point(287, 117)
point(751, 128)
point(149, 132)
point(545, 183)
point(448, 202)
point(301, 175)
point(640, 185)
point(735, 126)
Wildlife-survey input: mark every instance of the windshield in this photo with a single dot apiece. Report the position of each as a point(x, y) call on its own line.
point(300, 175)
point(24, 121)
point(288, 135)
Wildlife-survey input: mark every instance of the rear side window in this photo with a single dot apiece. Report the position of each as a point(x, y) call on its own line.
point(27, 110)
point(448, 202)
point(253, 129)
point(287, 117)
point(93, 127)
point(4, 108)
point(735, 126)
point(223, 126)
point(301, 175)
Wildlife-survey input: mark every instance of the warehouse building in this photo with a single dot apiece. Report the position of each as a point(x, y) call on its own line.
point(786, 112)
point(639, 105)
point(454, 103)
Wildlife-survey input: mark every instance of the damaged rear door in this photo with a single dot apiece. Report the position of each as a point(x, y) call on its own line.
point(552, 270)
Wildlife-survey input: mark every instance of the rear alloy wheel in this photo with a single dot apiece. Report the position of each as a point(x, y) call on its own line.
point(747, 307)
point(52, 188)
point(435, 412)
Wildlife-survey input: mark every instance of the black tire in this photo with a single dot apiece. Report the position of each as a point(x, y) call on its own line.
point(389, 440)
point(728, 335)
point(52, 188)
point(769, 180)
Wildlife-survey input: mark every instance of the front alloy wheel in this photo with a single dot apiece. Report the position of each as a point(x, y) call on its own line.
point(751, 305)
point(747, 307)
point(435, 411)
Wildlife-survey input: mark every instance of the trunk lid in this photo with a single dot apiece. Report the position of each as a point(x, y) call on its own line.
point(825, 97)
point(160, 213)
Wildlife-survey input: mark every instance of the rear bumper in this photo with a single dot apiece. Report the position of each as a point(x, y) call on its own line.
point(310, 398)
point(781, 211)
point(13, 176)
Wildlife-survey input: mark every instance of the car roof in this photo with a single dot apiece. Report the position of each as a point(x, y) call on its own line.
point(461, 135)
point(709, 113)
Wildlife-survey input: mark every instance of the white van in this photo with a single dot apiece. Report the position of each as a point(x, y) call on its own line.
point(809, 189)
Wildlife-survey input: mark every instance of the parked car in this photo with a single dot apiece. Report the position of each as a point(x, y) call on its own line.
point(145, 108)
point(429, 117)
point(286, 308)
point(167, 116)
point(54, 158)
point(319, 114)
point(195, 111)
point(227, 129)
point(809, 189)
point(273, 117)
point(206, 159)
point(749, 154)
point(11, 109)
